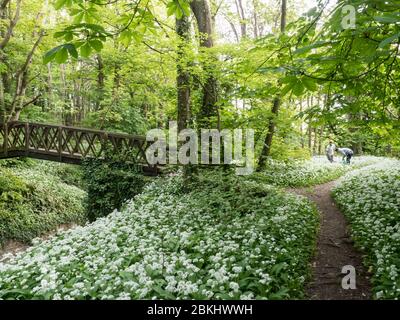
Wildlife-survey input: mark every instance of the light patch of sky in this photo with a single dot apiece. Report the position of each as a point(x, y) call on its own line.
point(224, 29)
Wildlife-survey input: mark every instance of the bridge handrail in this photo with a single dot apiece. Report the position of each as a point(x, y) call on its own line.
point(67, 144)
point(80, 129)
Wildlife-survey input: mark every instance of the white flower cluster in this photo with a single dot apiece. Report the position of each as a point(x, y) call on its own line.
point(370, 198)
point(168, 244)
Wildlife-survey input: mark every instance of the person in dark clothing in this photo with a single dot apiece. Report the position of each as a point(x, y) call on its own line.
point(347, 154)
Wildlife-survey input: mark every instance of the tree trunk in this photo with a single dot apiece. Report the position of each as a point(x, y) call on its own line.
point(2, 103)
point(301, 126)
point(266, 151)
point(13, 22)
point(242, 18)
point(100, 81)
point(320, 138)
point(255, 20)
point(18, 102)
point(283, 16)
point(183, 75)
point(202, 13)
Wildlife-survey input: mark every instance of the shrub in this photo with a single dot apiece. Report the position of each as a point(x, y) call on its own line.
point(33, 202)
point(109, 184)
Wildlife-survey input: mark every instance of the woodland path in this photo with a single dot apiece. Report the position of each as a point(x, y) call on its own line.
point(335, 249)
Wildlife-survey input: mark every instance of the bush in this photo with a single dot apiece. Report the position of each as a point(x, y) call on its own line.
point(109, 184)
point(370, 199)
point(33, 202)
point(69, 174)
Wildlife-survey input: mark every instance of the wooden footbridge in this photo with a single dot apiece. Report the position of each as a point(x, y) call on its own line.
point(69, 144)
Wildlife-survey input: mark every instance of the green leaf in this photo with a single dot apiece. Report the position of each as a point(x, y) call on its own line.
point(125, 38)
point(86, 50)
point(310, 84)
point(96, 45)
point(69, 36)
point(388, 19)
point(72, 50)
point(179, 14)
point(315, 45)
point(184, 7)
point(286, 89)
point(62, 56)
point(298, 89)
point(59, 4)
point(389, 40)
point(78, 18)
point(59, 34)
point(171, 9)
point(50, 55)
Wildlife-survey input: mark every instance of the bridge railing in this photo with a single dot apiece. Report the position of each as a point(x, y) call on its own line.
point(66, 144)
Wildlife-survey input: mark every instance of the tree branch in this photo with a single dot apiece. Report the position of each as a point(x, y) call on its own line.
point(13, 23)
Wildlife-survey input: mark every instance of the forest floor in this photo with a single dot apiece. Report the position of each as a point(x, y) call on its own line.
point(335, 249)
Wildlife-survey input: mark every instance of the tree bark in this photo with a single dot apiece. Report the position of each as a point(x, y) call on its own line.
point(202, 13)
point(183, 75)
point(10, 29)
point(283, 16)
point(100, 81)
point(255, 20)
point(18, 102)
point(266, 151)
point(242, 18)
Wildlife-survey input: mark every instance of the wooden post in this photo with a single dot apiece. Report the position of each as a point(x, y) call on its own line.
point(60, 142)
point(6, 139)
point(27, 136)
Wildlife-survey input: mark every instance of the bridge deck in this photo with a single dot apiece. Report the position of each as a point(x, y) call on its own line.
point(68, 144)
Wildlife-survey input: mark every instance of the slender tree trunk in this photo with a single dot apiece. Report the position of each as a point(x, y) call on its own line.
point(49, 88)
point(233, 27)
point(301, 126)
point(266, 151)
point(242, 18)
point(183, 86)
point(283, 15)
point(13, 22)
point(18, 102)
point(320, 138)
point(202, 13)
point(315, 141)
point(2, 103)
point(255, 20)
point(183, 75)
point(100, 81)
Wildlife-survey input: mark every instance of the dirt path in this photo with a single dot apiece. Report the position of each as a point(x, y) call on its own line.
point(335, 249)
